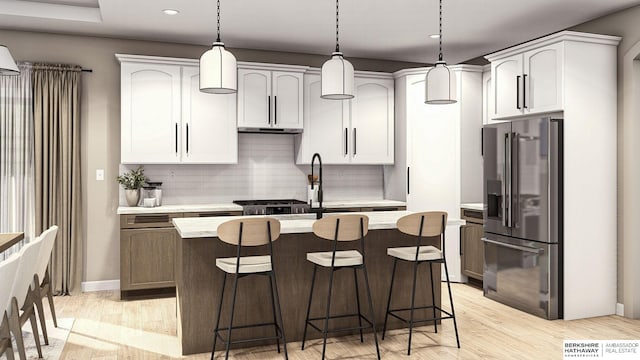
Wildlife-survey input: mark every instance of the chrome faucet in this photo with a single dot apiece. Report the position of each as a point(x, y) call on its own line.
point(319, 209)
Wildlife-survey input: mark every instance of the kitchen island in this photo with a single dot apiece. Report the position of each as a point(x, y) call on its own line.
point(198, 280)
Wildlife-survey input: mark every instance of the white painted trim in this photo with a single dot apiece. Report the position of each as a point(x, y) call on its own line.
point(91, 286)
point(554, 38)
point(156, 60)
point(620, 309)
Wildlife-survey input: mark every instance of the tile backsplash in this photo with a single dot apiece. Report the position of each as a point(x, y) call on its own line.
point(266, 169)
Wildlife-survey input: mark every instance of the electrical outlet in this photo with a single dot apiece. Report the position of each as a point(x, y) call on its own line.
point(99, 174)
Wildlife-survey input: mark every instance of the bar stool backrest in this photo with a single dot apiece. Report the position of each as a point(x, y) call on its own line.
point(249, 231)
point(8, 271)
point(349, 227)
point(433, 225)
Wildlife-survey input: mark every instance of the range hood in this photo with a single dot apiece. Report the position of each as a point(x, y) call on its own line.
point(269, 130)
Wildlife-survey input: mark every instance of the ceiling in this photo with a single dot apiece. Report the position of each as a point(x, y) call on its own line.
point(380, 29)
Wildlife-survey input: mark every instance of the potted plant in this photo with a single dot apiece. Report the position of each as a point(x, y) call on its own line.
point(132, 182)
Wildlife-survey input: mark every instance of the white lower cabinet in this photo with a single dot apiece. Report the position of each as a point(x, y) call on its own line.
point(165, 119)
point(357, 131)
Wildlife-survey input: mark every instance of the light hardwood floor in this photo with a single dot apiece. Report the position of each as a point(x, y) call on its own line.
point(107, 328)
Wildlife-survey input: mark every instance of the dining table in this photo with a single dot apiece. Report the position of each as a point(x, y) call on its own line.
point(7, 240)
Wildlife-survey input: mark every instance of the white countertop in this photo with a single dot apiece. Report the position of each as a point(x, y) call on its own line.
point(360, 203)
point(473, 206)
point(164, 209)
point(126, 210)
point(289, 224)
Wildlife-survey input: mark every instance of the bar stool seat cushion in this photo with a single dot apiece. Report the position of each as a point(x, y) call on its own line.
point(248, 264)
point(343, 258)
point(408, 253)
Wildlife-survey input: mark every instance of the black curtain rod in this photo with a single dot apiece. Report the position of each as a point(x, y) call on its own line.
point(87, 70)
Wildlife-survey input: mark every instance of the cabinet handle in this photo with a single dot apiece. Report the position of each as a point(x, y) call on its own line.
point(355, 137)
point(481, 141)
point(460, 239)
point(275, 110)
point(176, 138)
point(518, 92)
point(408, 177)
point(187, 138)
point(524, 91)
point(269, 109)
point(346, 141)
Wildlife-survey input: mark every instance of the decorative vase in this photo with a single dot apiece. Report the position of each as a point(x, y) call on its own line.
point(132, 196)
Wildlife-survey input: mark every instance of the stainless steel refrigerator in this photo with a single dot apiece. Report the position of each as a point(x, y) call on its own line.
point(523, 215)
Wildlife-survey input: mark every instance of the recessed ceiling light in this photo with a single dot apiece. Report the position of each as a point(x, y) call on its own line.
point(434, 36)
point(170, 11)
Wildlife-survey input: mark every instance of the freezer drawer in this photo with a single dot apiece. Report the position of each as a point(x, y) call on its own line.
point(522, 274)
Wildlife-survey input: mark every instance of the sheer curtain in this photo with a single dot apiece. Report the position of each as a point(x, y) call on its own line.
point(17, 182)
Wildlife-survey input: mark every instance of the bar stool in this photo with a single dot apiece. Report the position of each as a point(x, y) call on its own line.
point(340, 228)
point(423, 224)
point(249, 232)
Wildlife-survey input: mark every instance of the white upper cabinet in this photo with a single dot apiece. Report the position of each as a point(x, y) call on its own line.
point(270, 99)
point(287, 99)
point(543, 81)
point(208, 123)
point(150, 113)
point(254, 98)
point(165, 119)
point(356, 131)
point(326, 126)
point(372, 121)
point(528, 82)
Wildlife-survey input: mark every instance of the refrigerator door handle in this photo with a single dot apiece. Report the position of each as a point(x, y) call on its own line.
point(515, 181)
point(506, 183)
point(511, 246)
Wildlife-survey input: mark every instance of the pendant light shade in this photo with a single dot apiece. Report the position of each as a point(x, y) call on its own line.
point(440, 87)
point(218, 71)
point(440, 84)
point(7, 64)
point(337, 77)
point(218, 68)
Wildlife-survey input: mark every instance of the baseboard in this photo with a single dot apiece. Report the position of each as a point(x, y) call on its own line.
point(91, 286)
point(620, 309)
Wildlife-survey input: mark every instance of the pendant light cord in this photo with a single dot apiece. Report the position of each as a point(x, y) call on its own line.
point(337, 26)
point(440, 37)
point(218, 40)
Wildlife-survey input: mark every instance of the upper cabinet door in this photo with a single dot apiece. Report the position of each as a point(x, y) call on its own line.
point(326, 126)
point(209, 133)
point(287, 100)
point(150, 123)
point(543, 80)
point(254, 98)
point(507, 81)
point(372, 122)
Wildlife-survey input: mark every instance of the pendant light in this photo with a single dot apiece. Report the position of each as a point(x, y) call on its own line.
point(7, 64)
point(440, 84)
point(218, 70)
point(337, 79)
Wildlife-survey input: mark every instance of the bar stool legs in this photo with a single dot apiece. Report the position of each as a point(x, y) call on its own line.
point(386, 316)
point(275, 307)
point(453, 312)
point(411, 319)
point(306, 322)
point(325, 331)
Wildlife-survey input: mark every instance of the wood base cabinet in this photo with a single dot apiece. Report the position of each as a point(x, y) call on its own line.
point(148, 260)
point(471, 247)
